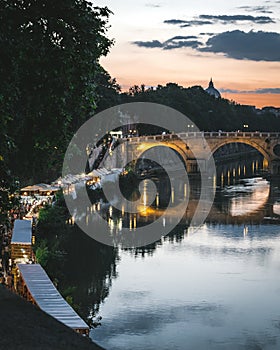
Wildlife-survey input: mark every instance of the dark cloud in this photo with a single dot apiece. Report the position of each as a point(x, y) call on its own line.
point(174, 21)
point(268, 91)
point(184, 23)
point(236, 18)
point(208, 34)
point(172, 43)
point(211, 19)
point(261, 9)
point(148, 44)
point(256, 46)
point(180, 37)
point(195, 23)
point(257, 91)
point(182, 43)
point(231, 91)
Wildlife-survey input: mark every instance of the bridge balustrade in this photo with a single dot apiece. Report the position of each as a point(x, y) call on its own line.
point(206, 134)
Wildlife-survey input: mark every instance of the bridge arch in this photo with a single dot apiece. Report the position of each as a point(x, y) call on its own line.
point(173, 146)
point(218, 144)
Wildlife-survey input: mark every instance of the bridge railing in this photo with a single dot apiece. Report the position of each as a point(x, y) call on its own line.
point(205, 134)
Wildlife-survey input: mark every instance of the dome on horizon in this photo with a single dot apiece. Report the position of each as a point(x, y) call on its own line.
point(212, 91)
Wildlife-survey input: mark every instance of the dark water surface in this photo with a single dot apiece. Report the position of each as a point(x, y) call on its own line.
point(215, 288)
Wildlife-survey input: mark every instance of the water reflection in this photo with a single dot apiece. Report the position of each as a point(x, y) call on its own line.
point(247, 198)
point(215, 289)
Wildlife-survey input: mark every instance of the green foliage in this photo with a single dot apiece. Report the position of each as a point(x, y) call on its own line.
point(69, 300)
point(42, 253)
point(8, 187)
point(82, 267)
point(108, 91)
point(52, 221)
point(48, 71)
point(207, 112)
point(68, 295)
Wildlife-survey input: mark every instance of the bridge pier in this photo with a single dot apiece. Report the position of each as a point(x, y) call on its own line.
point(198, 166)
point(275, 167)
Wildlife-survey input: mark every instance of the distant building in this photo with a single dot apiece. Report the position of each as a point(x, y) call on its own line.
point(212, 91)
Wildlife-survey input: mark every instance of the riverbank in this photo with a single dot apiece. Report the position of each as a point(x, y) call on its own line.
point(24, 326)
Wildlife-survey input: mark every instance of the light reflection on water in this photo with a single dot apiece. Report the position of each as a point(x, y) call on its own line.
point(216, 289)
point(255, 194)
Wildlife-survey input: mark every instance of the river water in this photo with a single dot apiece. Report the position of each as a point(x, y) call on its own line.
point(216, 288)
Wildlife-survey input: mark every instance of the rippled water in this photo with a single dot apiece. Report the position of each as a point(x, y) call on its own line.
point(217, 288)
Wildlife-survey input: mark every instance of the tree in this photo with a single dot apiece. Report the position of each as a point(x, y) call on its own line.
point(8, 183)
point(107, 89)
point(48, 67)
point(207, 112)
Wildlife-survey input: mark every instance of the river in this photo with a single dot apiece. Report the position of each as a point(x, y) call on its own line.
point(215, 288)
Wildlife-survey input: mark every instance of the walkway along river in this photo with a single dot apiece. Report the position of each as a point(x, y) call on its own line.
point(215, 289)
point(29, 280)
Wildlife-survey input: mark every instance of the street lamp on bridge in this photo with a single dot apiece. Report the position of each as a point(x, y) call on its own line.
point(190, 127)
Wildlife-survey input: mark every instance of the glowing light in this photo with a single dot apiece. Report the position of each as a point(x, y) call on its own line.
point(185, 190)
point(120, 224)
point(265, 163)
point(145, 195)
point(215, 181)
point(256, 198)
point(245, 230)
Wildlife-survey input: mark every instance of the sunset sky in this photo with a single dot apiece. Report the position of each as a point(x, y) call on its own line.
point(237, 43)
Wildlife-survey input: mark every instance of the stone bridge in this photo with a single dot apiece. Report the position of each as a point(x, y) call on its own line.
point(190, 144)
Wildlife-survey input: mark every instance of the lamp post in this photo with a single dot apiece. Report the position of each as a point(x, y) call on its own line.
point(190, 127)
